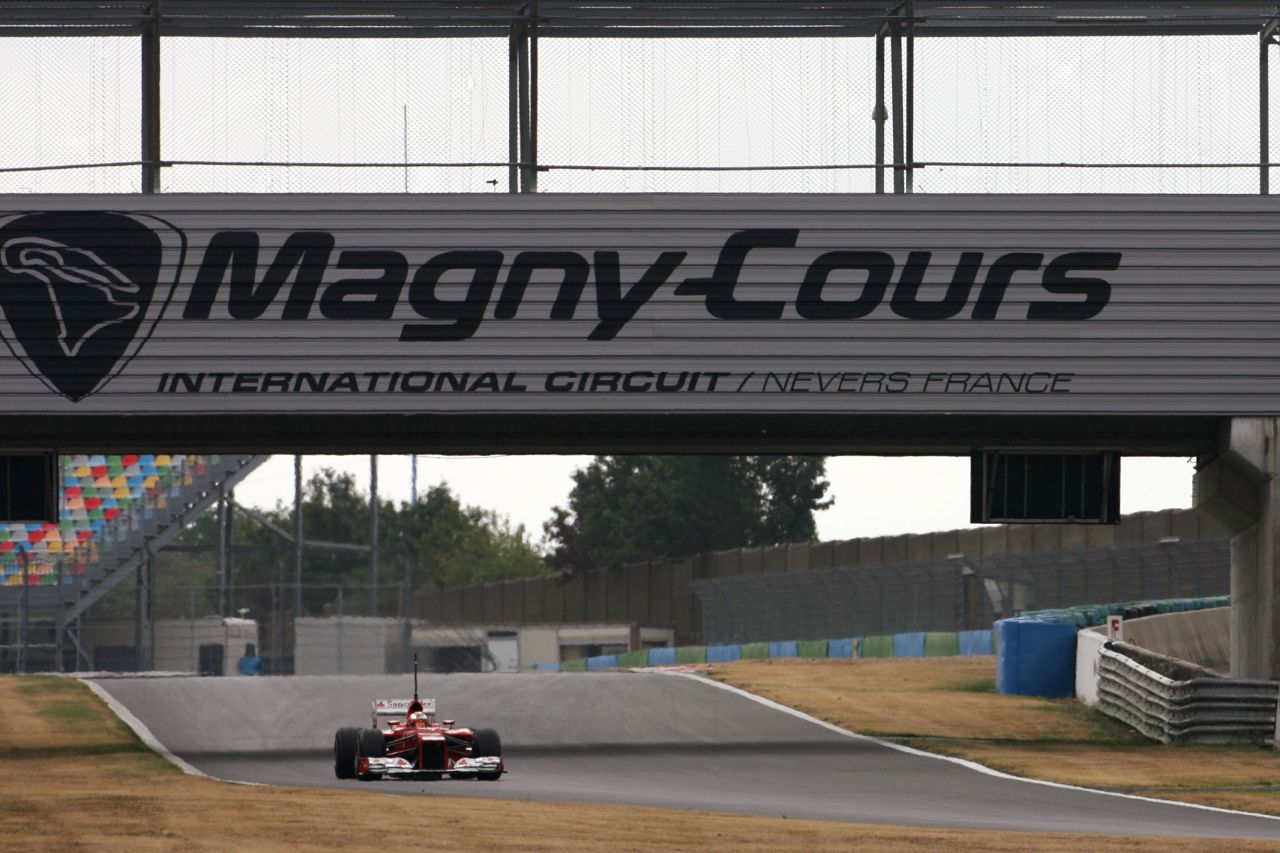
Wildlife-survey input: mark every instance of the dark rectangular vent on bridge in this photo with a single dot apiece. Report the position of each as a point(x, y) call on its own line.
point(29, 487)
point(1025, 486)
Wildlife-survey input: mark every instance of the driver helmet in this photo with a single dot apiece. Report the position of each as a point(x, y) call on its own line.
point(418, 717)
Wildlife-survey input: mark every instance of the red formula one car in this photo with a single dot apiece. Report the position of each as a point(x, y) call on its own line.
point(406, 742)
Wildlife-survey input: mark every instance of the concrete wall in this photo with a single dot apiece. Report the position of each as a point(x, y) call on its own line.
point(1198, 636)
point(351, 645)
point(657, 593)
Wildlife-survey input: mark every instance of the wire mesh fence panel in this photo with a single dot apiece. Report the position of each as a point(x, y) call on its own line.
point(333, 101)
point(70, 101)
point(955, 593)
point(708, 104)
point(1103, 99)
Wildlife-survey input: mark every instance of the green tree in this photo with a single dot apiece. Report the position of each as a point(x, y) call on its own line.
point(450, 544)
point(628, 508)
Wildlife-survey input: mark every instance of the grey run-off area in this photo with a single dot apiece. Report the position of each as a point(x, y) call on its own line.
point(650, 739)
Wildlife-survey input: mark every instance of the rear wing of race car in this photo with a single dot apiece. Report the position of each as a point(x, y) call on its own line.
point(398, 709)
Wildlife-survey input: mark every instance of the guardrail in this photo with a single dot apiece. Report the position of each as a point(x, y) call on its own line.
point(1185, 703)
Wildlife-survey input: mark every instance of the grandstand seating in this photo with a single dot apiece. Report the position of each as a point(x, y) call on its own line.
point(103, 498)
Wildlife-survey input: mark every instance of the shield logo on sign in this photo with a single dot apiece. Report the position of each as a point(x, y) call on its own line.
point(81, 292)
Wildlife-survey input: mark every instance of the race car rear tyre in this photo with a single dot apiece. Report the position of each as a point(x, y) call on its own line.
point(370, 744)
point(486, 742)
point(345, 752)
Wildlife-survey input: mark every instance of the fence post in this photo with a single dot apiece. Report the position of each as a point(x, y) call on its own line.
point(61, 626)
point(23, 606)
point(340, 631)
point(195, 658)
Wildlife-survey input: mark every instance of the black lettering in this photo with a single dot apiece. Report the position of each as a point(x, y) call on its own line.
point(245, 383)
point(485, 382)
point(463, 316)
point(374, 377)
point(906, 302)
point(417, 381)
point(366, 298)
point(276, 382)
point(637, 381)
point(1096, 291)
point(190, 383)
point(811, 305)
point(455, 381)
point(555, 381)
point(316, 382)
point(605, 380)
point(575, 270)
point(616, 310)
point(304, 254)
point(719, 286)
point(998, 279)
point(664, 382)
point(344, 382)
point(1042, 382)
point(898, 382)
point(777, 380)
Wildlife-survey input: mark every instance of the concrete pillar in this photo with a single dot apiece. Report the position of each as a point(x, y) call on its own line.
point(1240, 488)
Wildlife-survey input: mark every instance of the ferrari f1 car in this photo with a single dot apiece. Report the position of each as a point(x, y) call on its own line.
point(406, 742)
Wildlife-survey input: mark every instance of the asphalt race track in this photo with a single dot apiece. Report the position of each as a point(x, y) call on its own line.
point(637, 738)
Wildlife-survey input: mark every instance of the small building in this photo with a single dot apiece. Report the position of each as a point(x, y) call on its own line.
point(211, 645)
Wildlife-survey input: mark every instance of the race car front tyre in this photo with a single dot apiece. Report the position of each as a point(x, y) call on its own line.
point(486, 742)
point(370, 744)
point(345, 752)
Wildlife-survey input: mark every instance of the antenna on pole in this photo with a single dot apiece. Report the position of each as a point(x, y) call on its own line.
point(415, 676)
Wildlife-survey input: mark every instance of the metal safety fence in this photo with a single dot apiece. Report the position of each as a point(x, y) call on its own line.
point(184, 630)
point(953, 593)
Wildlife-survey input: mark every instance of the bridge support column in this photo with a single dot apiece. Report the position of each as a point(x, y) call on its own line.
point(1240, 487)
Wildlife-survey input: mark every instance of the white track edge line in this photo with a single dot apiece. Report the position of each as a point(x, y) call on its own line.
point(148, 739)
point(963, 762)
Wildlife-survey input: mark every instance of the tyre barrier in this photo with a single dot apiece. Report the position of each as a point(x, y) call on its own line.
point(940, 644)
point(783, 650)
point(1090, 615)
point(842, 648)
point(1035, 657)
point(877, 647)
point(691, 654)
point(1185, 703)
point(811, 649)
point(723, 654)
point(908, 645)
point(914, 644)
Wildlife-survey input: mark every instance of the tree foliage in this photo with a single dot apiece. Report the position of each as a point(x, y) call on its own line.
point(445, 542)
point(628, 508)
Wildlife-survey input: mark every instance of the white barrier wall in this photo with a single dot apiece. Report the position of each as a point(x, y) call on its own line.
point(1088, 649)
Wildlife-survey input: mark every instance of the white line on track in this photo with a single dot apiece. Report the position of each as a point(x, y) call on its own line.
point(971, 765)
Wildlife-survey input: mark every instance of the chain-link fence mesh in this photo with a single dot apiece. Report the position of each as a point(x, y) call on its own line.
point(955, 593)
point(713, 105)
point(70, 101)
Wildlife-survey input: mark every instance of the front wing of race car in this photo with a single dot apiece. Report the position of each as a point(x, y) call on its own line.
point(400, 768)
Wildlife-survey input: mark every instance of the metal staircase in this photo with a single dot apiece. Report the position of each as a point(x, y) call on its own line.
point(47, 616)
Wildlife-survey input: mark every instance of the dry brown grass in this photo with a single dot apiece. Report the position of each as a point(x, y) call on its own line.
point(75, 779)
point(949, 705)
